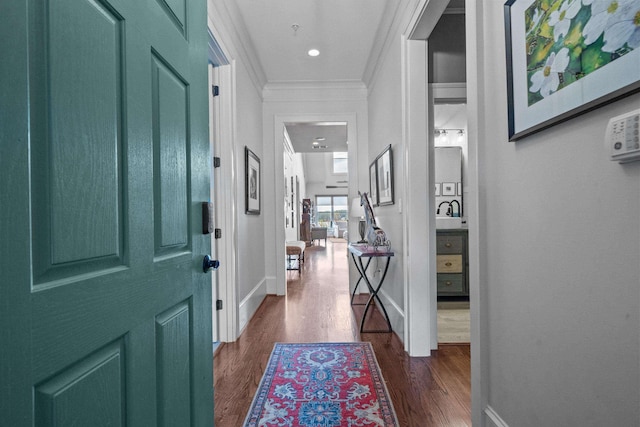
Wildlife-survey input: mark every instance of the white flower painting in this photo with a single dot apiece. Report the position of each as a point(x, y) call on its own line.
point(568, 39)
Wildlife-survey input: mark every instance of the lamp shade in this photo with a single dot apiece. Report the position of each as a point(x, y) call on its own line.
point(356, 210)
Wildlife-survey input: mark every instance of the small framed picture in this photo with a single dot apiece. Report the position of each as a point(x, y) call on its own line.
point(384, 163)
point(252, 182)
point(373, 183)
point(449, 188)
point(438, 186)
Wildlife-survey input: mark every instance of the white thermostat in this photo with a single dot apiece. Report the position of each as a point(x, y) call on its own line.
point(623, 137)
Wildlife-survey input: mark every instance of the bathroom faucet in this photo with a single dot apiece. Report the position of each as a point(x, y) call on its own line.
point(451, 208)
point(448, 209)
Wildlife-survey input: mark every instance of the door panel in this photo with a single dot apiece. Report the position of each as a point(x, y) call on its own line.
point(105, 310)
point(176, 11)
point(76, 163)
point(173, 350)
point(91, 392)
point(170, 134)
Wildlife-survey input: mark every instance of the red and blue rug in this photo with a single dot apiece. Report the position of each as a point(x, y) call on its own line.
point(322, 385)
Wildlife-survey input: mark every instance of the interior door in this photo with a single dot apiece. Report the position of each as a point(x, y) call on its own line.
point(105, 311)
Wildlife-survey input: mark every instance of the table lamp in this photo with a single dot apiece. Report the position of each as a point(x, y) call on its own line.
point(357, 211)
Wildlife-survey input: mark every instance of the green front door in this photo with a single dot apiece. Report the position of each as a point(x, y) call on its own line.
point(105, 312)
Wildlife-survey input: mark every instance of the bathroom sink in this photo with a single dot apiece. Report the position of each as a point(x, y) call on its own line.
point(448, 223)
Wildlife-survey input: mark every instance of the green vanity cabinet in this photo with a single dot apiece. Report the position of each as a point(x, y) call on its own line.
point(452, 262)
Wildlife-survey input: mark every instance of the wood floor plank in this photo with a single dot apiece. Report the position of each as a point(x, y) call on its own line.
point(426, 391)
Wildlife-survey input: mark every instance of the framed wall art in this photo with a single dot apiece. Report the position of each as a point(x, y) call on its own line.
point(384, 166)
point(373, 183)
point(567, 57)
point(252, 182)
point(449, 188)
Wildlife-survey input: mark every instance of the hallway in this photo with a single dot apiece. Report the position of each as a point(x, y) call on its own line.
point(426, 392)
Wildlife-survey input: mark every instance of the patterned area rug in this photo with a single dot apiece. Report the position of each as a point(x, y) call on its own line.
point(322, 385)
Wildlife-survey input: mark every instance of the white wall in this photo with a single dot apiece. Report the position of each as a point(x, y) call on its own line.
point(385, 127)
point(559, 261)
point(250, 227)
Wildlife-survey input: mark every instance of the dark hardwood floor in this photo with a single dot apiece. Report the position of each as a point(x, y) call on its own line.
point(426, 391)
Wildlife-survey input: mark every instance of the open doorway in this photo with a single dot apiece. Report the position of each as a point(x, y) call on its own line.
point(447, 107)
point(451, 155)
point(316, 171)
point(283, 126)
point(434, 62)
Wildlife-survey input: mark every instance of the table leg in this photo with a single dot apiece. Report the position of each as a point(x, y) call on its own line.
point(362, 273)
point(374, 294)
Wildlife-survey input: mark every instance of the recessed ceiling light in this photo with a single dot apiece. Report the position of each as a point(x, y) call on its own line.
point(313, 52)
point(319, 138)
point(316, 143)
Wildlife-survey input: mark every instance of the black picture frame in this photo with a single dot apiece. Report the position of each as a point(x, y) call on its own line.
point(548, 80)
point(373, 183)
point(384, 177)
point(252, 182)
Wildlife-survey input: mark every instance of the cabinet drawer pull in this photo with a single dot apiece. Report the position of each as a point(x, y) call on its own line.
point(448, 283)
point(448, 264)
point(447, 245)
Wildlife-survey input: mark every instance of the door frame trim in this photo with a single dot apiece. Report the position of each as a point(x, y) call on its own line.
point(354, 183)
point(225, 208)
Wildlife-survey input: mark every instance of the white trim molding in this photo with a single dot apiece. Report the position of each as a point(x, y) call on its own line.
point(232, 35)
point(395, 312)
point(225, 179)
point(419, 235)
point(250, 304)
point(492, 419)
point(275, 245)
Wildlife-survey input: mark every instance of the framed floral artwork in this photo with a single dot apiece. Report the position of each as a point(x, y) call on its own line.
point(566, 57)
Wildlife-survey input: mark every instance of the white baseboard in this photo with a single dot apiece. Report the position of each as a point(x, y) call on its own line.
point(492, 419)
point(272, 288)
point(396, 314)
point(250, 304)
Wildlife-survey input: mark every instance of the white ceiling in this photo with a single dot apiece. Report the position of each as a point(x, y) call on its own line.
point(329, 135)
point(343, 31)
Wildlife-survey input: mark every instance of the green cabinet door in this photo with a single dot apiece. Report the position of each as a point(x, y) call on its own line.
point(105, 312)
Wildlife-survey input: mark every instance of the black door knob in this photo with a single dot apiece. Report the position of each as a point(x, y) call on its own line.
point(208, 263)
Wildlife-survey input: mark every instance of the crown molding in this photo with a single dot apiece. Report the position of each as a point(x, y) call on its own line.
point(388, 29)
point(399, 19)
point(230, 31)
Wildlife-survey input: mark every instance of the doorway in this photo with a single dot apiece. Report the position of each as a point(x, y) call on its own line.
point(451, 156)
point(434, 68)
point(322, 182)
